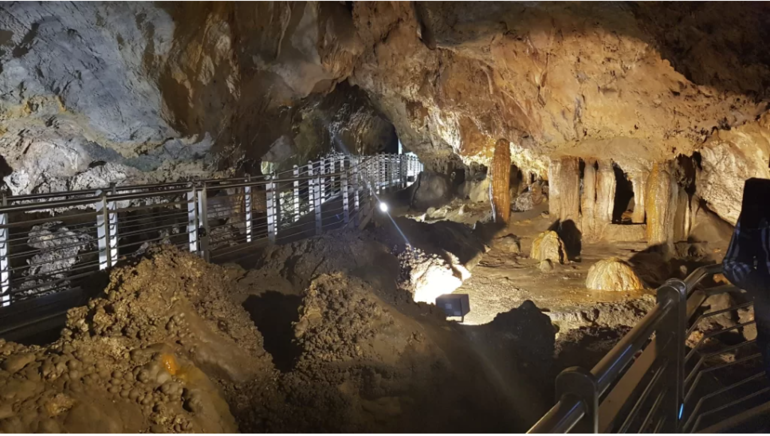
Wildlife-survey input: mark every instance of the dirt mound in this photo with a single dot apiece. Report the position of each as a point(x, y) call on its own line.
point(367, 366)
point(170, 348)
point(341, 321)
point(145, 357)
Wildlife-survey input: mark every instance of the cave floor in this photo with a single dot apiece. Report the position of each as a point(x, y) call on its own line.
point(502, 281)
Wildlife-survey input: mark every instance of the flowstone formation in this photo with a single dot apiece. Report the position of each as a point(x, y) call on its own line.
point(612, 274)
point(548, 247)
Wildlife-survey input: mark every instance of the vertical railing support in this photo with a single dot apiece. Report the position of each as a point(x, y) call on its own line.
point(271, 210)
point(670, 345)
point(310, 188)
point(332, 169)
point(203, 222)
point(192, 220)
point(580, 383)
point(318, 199)
point(106, 227)
point(344, 191)
point(322, 179)
point(5, 272)
point(247, 208)
point(295, 200)
point(354, 173)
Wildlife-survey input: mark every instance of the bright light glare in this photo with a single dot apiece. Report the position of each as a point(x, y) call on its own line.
point(383, 207)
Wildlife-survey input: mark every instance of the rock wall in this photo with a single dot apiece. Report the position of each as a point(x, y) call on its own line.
point(96, 93)
point(93, 93)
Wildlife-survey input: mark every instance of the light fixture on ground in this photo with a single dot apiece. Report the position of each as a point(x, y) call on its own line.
point(383, 206)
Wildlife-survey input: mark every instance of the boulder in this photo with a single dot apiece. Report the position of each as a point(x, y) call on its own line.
point(430, 190)
point(475, 190)
point(546, 266)
point(548, 246)
point(612, 274)
point(509, 244)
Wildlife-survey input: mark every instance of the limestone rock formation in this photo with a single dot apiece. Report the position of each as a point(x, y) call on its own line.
point(548, 246)
point(96, 93)
point(508, 243)
point(429, 276)
point(612, 274)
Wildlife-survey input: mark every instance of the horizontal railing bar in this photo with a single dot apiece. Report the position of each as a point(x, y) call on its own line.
point(623, 352)
point(562, 417)
point(730, 404)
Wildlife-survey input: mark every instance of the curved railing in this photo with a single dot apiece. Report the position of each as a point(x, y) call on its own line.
point(649, 381)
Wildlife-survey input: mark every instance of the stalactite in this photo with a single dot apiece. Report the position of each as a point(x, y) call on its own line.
point(588, 199)
point(501, 180)
point(605, 192)
point(661, 203)
point(639, 182)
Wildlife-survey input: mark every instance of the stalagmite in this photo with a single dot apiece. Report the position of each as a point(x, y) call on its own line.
point(564, 189)
point(661, 202)
point(639, 182)
point(588, 200)
point(682, 216)
point(501, 180)
point(605, 192)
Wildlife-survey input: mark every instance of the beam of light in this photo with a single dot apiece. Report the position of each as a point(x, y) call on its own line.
point(377, 197)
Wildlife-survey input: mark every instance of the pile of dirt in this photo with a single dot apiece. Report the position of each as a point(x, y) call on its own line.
point(147, 356)
point(170, 348)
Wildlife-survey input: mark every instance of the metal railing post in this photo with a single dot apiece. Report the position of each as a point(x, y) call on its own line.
point(322, 179)
point(344, 191)
point(248, 208)
point(581, 384)
point(112, 229)
point(5, 272)
point(378, 169)
point(670, 345)
point(103, 231)
point(295, 200)
point(356, 187)
point(318, 199)
point(192, 219)
point(271, 210)
point(332, 169)
point(203, 222)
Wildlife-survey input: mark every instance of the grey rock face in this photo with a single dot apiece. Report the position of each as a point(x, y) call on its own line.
point(59, 248)
point(80, 101)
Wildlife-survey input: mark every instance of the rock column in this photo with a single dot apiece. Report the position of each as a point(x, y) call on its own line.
point(639, 183)
point(501, 180)
point(605, 192)
point(661, 203)
point(588, 200)
point(564, 189)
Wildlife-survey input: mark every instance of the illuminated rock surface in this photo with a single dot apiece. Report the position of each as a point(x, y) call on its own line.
point(612, 274)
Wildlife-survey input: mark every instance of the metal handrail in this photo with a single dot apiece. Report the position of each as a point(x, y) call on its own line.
point(124, 219)
point(570, 409)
